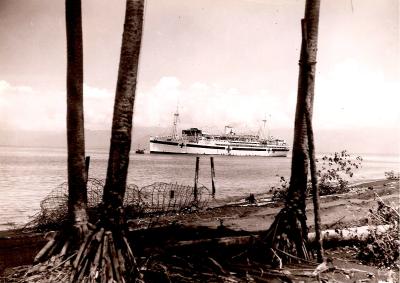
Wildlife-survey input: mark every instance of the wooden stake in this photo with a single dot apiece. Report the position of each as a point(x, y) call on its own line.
point(95, 263)
point(107, 260)
point(64, 249)
point(81, 272)
point(212, 176)
point(82, 250)
point(114, 258)
point(103, 265)
point(131, 257)
point(196, 179)
point(87, 163)
point(45, 249)
point(121, 261)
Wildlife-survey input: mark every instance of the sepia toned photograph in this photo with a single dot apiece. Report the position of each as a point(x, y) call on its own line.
point(199, 141)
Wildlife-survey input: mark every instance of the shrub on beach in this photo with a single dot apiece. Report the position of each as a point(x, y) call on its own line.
point(279, 193)
point(382, 249)
point(391, 175)
point(334, 172)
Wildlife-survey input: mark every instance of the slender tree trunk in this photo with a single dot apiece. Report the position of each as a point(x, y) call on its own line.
point(289, 230)
point(123, 111)
point(106, 252)
point(77, 199)
point(104, 255)
point(305, 97)
point(311, 150)
point(67, 240)
point(315, 190)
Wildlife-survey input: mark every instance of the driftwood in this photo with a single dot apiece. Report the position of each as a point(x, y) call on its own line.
point(225, 241)
point(50, 245)
point(353, 233)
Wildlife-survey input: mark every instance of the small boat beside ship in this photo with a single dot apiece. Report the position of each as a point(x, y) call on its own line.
point(195, 141)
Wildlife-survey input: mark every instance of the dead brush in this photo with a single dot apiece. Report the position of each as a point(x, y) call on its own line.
point(382, 249)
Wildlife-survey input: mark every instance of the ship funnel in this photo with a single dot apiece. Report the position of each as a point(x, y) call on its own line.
point(228, 130)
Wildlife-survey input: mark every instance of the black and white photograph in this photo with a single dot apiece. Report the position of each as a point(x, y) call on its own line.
point(199, 141)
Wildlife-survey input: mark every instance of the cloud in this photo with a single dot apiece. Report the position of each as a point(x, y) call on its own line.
point(208, 106)
point(98, 108)
point(349, 96)
point(23, 108)
point(353, 96)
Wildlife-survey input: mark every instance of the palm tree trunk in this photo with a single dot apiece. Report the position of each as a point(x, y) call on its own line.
point(289, 230)
point(104, 254)
point(113, 247)
point(67, 240)
point(77, 199)
point(106, 250)
point(315, 190)
point(118, 161)
point(311, 152)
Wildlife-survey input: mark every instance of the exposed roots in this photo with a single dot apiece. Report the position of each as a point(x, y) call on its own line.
point(102, 256)
point(286, 240)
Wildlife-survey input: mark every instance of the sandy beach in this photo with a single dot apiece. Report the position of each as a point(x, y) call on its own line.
point(223, 220)
point(337, 211)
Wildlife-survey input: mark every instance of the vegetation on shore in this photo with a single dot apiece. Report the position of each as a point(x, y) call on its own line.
point(334, 174)
point(379, 249)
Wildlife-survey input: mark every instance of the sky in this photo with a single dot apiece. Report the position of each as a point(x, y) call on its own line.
point(221, 62)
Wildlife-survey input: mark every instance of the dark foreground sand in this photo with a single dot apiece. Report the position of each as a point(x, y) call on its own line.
point(337, 211)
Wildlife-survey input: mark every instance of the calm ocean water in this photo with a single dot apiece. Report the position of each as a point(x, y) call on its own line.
point(27, 175)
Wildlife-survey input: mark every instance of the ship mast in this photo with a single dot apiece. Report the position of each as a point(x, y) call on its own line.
point(174, 127)
point(264, 127)
point(265, 131)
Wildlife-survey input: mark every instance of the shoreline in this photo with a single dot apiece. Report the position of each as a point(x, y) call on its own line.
point(224, 201)
point(337, 211)
point(235, 200)
point(241, 199)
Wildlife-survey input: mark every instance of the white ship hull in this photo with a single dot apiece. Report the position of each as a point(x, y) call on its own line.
point(158, 145)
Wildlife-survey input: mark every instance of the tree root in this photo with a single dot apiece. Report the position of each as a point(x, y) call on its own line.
point(102, 256)
point(287, 235)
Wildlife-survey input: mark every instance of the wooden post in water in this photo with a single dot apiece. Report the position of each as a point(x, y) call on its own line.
point(196, 178)
point(87, 163)
point(212, 176)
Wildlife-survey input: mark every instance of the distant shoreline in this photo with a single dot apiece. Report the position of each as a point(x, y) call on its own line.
point(134, 145)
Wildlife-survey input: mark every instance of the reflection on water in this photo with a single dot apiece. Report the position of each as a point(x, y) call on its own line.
point(27, 175)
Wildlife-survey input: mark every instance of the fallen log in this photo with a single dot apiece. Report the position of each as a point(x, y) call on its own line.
point(331, 235)
point(348, 234)
point(225, 241)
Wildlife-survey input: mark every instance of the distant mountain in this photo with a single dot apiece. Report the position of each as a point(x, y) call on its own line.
point(58, 139)
point(33, 138)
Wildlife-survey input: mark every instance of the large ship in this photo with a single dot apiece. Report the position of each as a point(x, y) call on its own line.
point(195, 141)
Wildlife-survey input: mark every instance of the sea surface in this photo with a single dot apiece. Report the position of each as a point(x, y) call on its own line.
point(27, 175)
